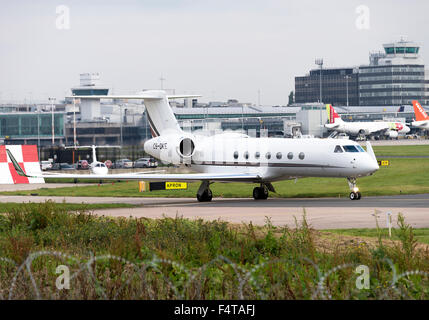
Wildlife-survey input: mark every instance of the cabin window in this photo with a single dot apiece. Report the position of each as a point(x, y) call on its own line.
point(279, 155)
point(246, 155)
point(338, 149)
point(257, 155)
point(236, 155)
point(268, 155)
point(301, 155)
point(290, 155)
point(360, 149)
point(350, 149)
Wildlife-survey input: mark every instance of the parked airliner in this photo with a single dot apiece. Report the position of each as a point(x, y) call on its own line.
point(232, 157)
point(361, 128)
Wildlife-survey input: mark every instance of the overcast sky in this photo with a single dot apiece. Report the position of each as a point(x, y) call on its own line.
point(218, 48)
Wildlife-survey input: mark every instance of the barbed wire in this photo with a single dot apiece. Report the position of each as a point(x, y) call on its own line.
point(187, 276)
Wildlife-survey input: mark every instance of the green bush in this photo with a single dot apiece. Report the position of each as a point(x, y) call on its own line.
point(178, 258)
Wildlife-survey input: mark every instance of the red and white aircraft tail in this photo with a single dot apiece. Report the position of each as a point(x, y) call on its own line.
point(420, 113)
point(334, 118)
point(332, 114)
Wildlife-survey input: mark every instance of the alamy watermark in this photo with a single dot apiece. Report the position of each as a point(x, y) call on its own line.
point(63, 281)
point(362, 281)
point(62, 21)
point(362, 21)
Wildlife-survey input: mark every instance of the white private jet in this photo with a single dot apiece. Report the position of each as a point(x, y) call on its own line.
point(96, 167)
point(359, 128)
point(231, 157)
point(422, 119)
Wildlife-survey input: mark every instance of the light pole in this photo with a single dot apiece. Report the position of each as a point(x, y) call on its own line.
point(38, 132)
point(74, 123)
point(53, 126)
point(242, 118)
point(347, 88)
point(162, 79)
point(319, 62)
point(120, 123)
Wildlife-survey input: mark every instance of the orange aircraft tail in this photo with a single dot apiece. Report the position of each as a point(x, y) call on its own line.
point(419, 111)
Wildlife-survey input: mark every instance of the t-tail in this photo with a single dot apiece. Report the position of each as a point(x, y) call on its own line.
point(159, 114)
point(420, 113)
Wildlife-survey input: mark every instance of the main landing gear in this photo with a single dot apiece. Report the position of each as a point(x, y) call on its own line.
point(204, 193)
point(260, 193)
point(354, 194)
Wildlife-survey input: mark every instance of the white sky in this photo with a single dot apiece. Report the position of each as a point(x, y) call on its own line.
point(218, 48)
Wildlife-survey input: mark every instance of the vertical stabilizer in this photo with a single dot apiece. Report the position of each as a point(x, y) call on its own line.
point(94, 154)
point(160, 115)
point(420, 113)
point(332, 114)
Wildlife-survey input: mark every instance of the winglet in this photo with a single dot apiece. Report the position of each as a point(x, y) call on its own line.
point(16, 165)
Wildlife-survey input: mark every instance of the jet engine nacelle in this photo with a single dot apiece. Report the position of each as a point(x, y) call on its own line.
point(175, 149)
point(392, 134)
point(357, 131)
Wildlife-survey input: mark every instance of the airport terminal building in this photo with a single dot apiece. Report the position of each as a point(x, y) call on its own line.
point(393, 77)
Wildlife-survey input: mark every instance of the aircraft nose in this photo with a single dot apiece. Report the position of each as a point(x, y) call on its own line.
point(372, 166)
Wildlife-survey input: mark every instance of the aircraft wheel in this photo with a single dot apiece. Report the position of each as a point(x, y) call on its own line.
point(256, 193)
point(264, 193)
point(355, 195)
point(207, 196)
point(260, 193)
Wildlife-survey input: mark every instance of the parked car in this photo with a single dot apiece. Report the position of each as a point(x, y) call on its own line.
point(153, 163)
point(62, 166)
point(145, 163)
point(82, 164)
point(45, 165)
point(123, 163)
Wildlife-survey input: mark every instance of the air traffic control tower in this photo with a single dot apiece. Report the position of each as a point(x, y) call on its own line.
point(394, 77)
point(90, 86)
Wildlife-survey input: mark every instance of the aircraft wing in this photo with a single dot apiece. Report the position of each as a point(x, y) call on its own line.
point(224, 177)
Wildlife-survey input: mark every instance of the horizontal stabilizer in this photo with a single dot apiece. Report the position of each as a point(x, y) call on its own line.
point(143, 96)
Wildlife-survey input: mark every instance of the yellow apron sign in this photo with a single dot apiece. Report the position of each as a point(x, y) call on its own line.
point(383, 162)
point(155, 186)
point(176, 185)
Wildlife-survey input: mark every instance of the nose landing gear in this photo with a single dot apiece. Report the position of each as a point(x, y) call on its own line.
point(354, 194)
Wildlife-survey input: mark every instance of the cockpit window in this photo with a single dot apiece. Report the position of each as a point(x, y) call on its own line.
point(360, 149)
point(351, 149)
point(338, 149)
